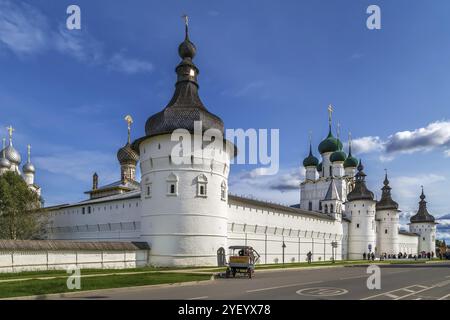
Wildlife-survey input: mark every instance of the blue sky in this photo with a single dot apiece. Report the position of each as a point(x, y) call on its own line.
point(263, 64)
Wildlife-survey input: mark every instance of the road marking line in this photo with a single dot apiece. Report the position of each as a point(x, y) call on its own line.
point(354, 277)
point(198, 298)
point(390, 295)
point(286, 286)
point(418, 299)
point(418, 285)
point(438, 285)
point(397, 297)
point(445, 297)
point(407, 290)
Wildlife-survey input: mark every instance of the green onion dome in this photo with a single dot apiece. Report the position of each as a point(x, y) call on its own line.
point(351, 161)
point(338, 155)
point(310, 160)
point(319, 167)
point(330, 144)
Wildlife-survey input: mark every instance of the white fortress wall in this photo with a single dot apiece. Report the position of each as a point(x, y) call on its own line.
point(265, 229)
point(102, 220)
point(34, 255)
point(408, 243)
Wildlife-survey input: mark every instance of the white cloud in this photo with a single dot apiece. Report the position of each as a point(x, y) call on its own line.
point(435, 135)
point(281, 188)
point(367, 145)
point(257, 84)
point(78, 44)
point(408, 187)
point(78, 164)
point(23, 29)
point(129, 65)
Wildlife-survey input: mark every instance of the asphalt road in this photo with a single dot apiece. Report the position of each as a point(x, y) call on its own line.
point(398, 282)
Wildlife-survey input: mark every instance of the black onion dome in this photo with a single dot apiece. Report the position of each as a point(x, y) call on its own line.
point(185, 107)
point(386, 202)
point(127, 155)
point(422, 214)
point(360, 191)
point(187, 49)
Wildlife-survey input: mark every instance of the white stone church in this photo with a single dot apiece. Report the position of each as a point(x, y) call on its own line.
point(186, 214)
point(10, 160)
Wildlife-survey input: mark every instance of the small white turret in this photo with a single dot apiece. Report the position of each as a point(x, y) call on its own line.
point(423, 224)
point(387, 219)
point(361, 208)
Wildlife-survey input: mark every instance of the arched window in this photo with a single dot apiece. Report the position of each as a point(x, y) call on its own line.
point(326, 208)
point(202, 182)
point(320, 206)
point(148, 189)
point(172, 185)
point(310, 206)
point(331, 208)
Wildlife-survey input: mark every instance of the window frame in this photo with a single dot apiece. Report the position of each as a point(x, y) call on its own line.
point(172, 180)
point(202, 181)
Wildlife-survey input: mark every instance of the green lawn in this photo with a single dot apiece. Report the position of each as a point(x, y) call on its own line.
point(56, 273)
point(58, 285)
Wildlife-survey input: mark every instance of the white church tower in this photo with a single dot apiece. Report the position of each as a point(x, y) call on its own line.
point(184, 205)
point(387, 220)
point(332, 203)
point(360, 208)
point(423, 223)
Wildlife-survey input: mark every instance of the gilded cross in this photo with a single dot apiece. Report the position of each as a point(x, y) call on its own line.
point(10, 133)
point(186, 19)
point(330, 112)
point(129, 121)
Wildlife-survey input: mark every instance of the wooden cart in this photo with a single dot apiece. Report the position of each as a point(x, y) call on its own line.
point(242, 259)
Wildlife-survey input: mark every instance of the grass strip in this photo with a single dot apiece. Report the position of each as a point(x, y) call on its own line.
point(59, 285)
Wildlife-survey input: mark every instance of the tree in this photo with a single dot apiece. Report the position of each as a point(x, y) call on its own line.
point(20, 215)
